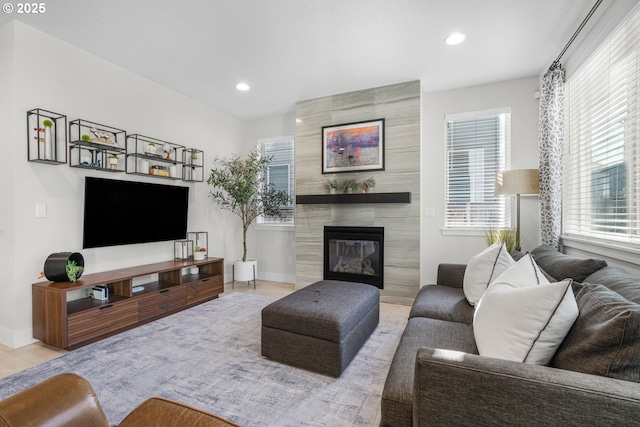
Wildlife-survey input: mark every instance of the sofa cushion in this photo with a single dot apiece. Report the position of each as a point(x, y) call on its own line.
point(397, 395)
point(562, 266)
point(524, 323)
point(442, 302)
point(483, 268)
point(605, 339)
point(618, 281)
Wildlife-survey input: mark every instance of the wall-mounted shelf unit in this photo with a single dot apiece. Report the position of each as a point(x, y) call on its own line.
point(72, 324)
point(151, 156)
point(193, 167)
point(46, 137)
point(96, 146)
point(328, 199)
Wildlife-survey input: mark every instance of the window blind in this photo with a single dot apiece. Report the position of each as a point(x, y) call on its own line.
point(280, 174)
point(476, 149)
point(602, 163)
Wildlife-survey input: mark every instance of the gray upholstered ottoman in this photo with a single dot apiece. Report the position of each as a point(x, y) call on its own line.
point(320, 327)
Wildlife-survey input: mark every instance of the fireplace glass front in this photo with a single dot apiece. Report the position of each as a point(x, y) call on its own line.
point(354, 254)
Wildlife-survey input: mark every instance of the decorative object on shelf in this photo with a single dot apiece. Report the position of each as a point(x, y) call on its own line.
point(144, 166)
point(200, 240)
point(368, 185)
point(200, 253)
point(240, 186)
point(151, 156)
point(353, 147)
point(113, 161)
point(168, 149)
point(150, 149)
point(101, 136)
point(46, 137)
point(349, 186)
point(159, 170)
point(93, 146)
point(183, 249)
point(331, 185)
point(48, 140)
point(64, 266)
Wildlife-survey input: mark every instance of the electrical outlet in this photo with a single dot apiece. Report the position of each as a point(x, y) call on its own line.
point(429, 212)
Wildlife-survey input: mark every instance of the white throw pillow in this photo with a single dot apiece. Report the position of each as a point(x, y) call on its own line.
point(482, 269)
point(524, 323)
point(525, 272)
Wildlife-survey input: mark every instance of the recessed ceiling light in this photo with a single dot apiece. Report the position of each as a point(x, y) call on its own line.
point(455, 38)
point(242, 86)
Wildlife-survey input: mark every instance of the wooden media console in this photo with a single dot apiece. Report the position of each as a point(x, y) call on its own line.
point(65, 323)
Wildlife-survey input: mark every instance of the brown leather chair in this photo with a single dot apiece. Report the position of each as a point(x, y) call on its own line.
point(68, 400)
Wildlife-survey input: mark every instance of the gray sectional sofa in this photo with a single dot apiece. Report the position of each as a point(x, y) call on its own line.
point(592, 380)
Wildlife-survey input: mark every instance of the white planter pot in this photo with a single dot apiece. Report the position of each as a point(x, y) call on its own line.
point(199, 256)
point(244, 271)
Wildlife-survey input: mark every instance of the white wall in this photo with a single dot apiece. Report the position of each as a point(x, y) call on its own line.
point(8, 118)
point(517, 94)
point(274, 246)
point(53, 75)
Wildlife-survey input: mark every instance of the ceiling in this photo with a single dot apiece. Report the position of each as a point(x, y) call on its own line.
point(292, 50)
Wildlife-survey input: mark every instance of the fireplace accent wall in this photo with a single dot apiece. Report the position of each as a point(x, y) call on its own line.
point(354, 254)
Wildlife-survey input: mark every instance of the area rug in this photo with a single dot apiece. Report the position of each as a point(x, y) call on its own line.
point(209, 357)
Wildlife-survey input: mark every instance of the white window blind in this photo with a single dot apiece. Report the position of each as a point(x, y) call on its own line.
point(477, 144)
point(602, 162)
point(280, 174)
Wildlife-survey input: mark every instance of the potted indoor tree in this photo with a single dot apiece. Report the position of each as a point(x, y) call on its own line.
point(240, 186)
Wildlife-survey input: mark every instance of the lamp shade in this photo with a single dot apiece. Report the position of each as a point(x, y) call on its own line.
point(520, 181)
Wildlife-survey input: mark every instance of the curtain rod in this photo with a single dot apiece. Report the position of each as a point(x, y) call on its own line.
point(556, 63)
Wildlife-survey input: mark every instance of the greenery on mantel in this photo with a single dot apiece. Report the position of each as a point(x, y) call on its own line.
point(240, 186)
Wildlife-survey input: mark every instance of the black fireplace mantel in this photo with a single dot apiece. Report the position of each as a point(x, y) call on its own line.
point(326, 199)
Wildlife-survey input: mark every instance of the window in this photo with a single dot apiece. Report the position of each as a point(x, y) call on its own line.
point(477, 144)
point(280, 174)
point(602, 150)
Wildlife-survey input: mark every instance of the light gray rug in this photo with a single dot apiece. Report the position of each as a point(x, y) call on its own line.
point(209, 357)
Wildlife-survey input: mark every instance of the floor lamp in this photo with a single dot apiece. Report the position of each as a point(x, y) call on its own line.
point(519, 182)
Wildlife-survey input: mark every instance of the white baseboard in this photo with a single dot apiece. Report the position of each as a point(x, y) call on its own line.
point(17, 339)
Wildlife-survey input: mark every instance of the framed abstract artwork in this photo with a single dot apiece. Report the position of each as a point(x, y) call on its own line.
point(353, 147)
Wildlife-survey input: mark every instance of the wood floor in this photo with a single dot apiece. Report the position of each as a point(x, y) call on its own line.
point(15, 360)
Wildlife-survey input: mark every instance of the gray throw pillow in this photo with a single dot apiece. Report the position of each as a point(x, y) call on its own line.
point(562, 266)
point(605, 339)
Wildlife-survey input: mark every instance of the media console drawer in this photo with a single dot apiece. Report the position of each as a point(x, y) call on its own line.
point(162, 302)
point(204, 289)
point(99, 321)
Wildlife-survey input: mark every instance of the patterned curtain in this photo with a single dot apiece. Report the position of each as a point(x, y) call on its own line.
point(551, 146)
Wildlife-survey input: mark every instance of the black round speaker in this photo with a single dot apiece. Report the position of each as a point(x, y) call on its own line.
point(55, 267)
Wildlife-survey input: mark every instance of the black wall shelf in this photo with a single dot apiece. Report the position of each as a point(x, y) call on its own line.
point(327, 199)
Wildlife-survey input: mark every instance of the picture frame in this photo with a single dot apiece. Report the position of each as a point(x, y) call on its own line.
point(353, 147)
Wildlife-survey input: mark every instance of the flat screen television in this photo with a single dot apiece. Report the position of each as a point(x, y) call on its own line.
point(125, 212)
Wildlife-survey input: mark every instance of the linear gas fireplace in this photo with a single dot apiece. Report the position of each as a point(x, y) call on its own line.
point(354, 254)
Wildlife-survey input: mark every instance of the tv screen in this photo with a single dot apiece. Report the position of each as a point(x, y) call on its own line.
point(125, 212)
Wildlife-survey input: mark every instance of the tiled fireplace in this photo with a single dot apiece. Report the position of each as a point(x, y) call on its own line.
point(354, 254)
point(400, 106)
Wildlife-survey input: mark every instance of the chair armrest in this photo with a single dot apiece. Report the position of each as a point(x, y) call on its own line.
point(451, 275)
point(160, 412)
point(454, 388)
point(64, 400)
